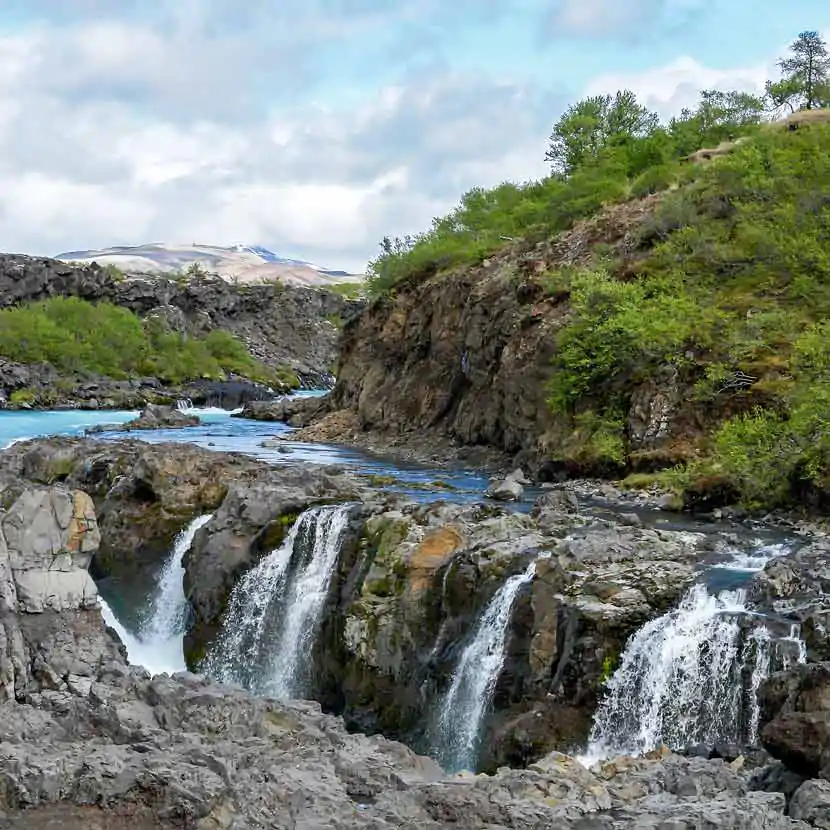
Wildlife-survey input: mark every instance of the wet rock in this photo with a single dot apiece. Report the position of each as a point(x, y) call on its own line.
point(252, 519)
point(410, 598)
point(507, 489)
point(153, 416)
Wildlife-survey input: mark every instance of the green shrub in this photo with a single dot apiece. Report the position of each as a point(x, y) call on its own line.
point(74, 335)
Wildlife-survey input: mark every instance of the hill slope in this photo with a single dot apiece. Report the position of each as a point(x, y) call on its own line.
point(684, 323)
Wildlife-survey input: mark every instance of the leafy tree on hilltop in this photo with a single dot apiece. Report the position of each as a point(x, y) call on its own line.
point(592, 124)
point(805, 82)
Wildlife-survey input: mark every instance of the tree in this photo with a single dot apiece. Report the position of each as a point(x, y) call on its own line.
point(718, 116)
point(805, 81)
point(595, 123)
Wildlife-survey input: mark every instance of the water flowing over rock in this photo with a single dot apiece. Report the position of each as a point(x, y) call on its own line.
point(158, 644)
point(470, 694)
point(681, 680)
point(274, 611)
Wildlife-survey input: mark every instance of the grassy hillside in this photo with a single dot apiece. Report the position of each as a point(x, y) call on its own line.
point(78, 336)
point(724, 286)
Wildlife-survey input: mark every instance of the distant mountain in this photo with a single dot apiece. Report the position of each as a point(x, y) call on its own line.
point(240, 263)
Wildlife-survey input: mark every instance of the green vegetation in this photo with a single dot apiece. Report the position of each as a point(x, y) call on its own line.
point(723, 284)
point(77, 336)
point(349, 290)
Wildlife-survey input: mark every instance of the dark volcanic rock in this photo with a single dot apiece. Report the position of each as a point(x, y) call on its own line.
point(407, 601)
point(795, 718)
point(87, 741)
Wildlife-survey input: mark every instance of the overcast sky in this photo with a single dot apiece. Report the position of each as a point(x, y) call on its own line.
point(315, 127)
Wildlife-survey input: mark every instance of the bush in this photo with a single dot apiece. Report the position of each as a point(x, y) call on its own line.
point(74, 335)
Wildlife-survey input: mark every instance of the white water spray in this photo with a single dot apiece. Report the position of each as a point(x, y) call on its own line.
point(274, 610)
point(681, 680)
point(468, 699)
point(158, 646)
point(305, 599)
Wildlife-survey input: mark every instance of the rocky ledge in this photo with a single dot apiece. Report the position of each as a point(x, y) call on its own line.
point(87, 741)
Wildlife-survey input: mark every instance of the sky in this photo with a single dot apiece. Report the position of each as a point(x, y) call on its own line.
point(316, 127)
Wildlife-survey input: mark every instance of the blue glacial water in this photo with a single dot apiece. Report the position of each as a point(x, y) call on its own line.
point(222, 433)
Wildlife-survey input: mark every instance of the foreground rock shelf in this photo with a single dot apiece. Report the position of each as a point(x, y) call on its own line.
point(87, 741)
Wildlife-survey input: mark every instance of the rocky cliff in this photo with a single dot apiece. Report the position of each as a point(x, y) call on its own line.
point(468, 355)
point(281, 325)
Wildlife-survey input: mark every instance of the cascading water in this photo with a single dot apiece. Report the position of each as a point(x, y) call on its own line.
point(274, 610)
point(158, 645)
point(168, 614)
point(467, 701)
point(688, 677)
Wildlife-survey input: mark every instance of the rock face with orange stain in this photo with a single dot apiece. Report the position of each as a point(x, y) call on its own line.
point(47, 540)
point(410, 593)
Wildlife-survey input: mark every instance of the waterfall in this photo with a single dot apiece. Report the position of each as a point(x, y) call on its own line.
point(168, 614)
point(184, 405)
point(467, 701)
point(688, 677)
point(274, 610)
point(158, 645)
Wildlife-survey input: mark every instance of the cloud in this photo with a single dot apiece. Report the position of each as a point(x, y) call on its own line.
point(668, 89)
point(213, 122)
point(116, 134)
point(614, 18)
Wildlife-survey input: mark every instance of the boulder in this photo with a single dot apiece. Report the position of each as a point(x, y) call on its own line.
point(153, 416)
point(47, 538)
point(811, 803)
point(296, 412)
point(507, 489)
point(795, 718)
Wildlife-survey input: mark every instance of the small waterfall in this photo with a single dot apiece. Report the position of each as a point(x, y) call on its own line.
point(688, 677)
point(274, 610)
point(158, 645)
point(184, 404)
point(168, 614)
point(130, 642)
point(467, 701)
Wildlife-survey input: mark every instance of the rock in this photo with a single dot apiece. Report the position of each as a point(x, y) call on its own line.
point(415, 588)
point(555, 505)
point(153, 416)
point(251, 521)
point(507, 489)
point(297, 412)
point(87, 741)
point(795, 717)
point(47, 538)
point(811, 803)
point(282, 325)
point(162, 417)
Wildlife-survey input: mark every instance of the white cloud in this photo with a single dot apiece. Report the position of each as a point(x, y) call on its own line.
point(668, 89)
point(617, 18)
point(122, 134)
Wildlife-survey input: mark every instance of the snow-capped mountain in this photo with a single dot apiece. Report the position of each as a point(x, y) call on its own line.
point(239, 263)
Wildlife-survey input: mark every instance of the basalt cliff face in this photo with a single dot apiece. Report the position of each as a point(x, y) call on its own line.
point(467, 357)
point(281, 325)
